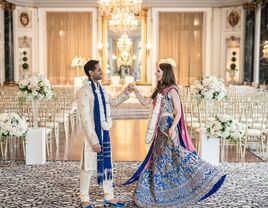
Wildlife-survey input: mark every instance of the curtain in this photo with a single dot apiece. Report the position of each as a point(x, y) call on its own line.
point(180, 38)
point(69, 34)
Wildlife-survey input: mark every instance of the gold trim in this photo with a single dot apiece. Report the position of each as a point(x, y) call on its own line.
point(7, 5)
point(254, 5)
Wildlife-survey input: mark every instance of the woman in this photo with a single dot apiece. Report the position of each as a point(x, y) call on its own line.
point(172, 175)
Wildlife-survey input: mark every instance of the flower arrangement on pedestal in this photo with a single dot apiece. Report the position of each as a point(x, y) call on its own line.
point(209, 88)
point(12, 125)
point(35, 87)
point(78, 62)
point(226, 127)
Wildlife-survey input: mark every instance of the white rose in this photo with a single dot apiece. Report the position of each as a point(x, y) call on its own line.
point(225, 134)
point(217, 126)
point(208, 95)
point(206, 82)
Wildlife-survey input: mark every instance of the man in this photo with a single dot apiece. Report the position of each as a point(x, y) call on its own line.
point(94, 109)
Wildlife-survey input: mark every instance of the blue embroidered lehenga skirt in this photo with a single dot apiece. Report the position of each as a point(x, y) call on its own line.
point(175, 176)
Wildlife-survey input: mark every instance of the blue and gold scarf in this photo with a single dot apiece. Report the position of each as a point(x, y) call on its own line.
point(104, 163)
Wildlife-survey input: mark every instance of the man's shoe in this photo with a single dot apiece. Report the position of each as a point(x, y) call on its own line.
point(109, 204)
point(86, 206)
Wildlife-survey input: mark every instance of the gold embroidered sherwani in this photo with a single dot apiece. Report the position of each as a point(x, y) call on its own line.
point(85, 103)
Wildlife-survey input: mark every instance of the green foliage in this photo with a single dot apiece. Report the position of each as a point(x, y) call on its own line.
point(25, 66)
point(233, 66)
point(233, 59)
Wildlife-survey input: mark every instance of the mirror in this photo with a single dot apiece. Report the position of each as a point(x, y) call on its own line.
point(124, 53)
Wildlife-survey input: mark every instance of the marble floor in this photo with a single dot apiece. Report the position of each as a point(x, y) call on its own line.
point(127, 137)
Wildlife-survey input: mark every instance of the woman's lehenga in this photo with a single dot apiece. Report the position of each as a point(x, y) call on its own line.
point(171, 175)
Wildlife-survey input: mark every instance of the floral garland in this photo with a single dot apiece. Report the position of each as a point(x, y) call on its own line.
point(106, 124)
point(154, 119)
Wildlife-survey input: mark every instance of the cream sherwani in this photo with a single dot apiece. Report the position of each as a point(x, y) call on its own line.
point(85, 103)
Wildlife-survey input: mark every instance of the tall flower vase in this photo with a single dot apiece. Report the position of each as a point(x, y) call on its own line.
point(208, 111)
point(35, 113)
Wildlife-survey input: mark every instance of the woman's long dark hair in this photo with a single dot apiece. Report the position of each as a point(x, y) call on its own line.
point(168, 78)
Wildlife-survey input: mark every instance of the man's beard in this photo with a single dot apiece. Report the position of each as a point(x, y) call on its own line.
point(98, 77)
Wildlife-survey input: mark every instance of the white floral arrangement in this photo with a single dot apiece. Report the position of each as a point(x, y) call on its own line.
point(154, 116)
point(209, 88)
point(170, 61)
point(35, 87)
point(226, 127)
point(78, 62)
point(11, 124)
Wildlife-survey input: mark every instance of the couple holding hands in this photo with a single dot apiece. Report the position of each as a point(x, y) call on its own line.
point(172, 174)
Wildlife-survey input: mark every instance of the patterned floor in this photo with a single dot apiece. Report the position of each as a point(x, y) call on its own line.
point(258, 152)
point(56, 184)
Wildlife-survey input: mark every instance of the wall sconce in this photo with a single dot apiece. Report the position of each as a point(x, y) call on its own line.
point(100, 48)
point(61, 33)
point(114, 57)
point(148, 48)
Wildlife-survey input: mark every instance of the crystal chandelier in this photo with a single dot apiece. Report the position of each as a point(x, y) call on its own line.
point(124, 59)
point(124, 43)
point(122, 7)
point(123, 24)
point(122, 13)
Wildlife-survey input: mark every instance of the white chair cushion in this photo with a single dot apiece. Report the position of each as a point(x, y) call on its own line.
point(254, 132)
point(195, 125)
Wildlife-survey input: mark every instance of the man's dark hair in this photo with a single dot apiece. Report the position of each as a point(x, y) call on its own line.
point(90, 66)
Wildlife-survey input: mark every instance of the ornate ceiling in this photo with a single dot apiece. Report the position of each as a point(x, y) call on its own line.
point(146, 3)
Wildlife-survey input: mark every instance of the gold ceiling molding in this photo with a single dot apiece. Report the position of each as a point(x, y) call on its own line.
point(254, 5)
point(7, 5)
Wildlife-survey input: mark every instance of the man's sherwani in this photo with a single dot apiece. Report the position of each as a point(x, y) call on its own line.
point(85, 103)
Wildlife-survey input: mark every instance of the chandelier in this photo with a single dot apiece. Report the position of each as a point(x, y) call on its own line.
point(124, 43)
point(122, 13)
point(123, 24)
point(122, 7)
point(124, 59)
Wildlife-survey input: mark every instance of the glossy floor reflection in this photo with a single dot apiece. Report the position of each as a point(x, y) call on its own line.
point(127, 137)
